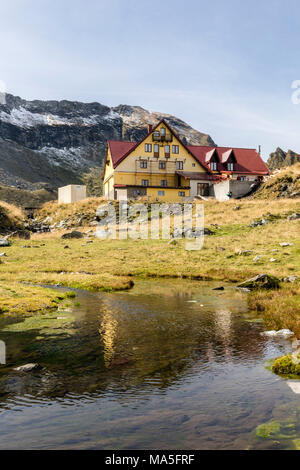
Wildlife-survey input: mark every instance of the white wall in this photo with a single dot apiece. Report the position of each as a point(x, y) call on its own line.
point(71, 193)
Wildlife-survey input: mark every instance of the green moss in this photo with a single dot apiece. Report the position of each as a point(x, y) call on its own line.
point(286, 365)
point(50, 324)
point(268, 430)
point(296, 443)
point(276, 430)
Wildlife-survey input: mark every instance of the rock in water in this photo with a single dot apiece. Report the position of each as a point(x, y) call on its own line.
point(285, 333)
point(261, 281)
point(74, 234)
point(28, 368)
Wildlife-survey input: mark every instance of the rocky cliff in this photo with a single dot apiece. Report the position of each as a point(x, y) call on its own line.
point(46, 144)
point(280, 159)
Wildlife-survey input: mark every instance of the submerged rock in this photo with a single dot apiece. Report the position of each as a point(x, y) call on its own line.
point(276, 430)
point(261, 281)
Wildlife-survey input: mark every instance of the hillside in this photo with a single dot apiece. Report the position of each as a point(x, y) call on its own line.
point(47, 144)
point(284, 183)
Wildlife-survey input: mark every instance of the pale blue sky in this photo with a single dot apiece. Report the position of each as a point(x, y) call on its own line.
point(225, 67)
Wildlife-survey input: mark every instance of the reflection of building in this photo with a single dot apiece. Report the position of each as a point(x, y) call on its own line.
point(162, 167)
point(108, 331)
point(223, 323)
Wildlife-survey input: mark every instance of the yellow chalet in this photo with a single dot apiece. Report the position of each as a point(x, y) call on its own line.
point(162, 168)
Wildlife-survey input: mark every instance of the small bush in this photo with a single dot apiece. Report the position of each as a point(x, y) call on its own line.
point(286, 365)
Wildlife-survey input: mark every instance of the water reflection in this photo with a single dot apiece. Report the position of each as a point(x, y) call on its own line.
point(169, 356)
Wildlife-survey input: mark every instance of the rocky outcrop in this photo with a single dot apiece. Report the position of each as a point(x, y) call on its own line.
point(57, 142)
point(261, 281)
point(280, 159)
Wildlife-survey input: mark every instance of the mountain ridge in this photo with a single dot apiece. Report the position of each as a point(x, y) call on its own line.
point(53, 143)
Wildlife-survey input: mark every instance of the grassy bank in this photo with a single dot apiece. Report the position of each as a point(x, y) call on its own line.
point(17, 298)
point(93, 264)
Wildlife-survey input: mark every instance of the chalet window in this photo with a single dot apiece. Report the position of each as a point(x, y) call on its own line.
point(213, 166)
point(148, 147)
point(143, 164)
point(179, 165)
point(145, 182)
point(193, 164)
point(163, 131)
point(162, 165)
point(175, 149)
point(167, 150)
point(230, 166)
point(156, 150)
point(243, 178)
point(163, 183)
point(181, 194)
point(160, 193)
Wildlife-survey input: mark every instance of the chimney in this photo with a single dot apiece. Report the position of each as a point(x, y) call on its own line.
point(259, 149)
point(150, 128)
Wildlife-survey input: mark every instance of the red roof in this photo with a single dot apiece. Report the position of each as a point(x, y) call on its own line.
point(119, 149)
point(248, 160)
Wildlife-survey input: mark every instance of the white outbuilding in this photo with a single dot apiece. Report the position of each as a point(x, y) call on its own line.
point(71, 193)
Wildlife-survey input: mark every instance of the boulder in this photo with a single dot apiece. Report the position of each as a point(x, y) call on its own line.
point(256, 223)
point(261, 281)
point(294, 216)
point(74, 234)
point(285, 333)
point(244, 252)
point(4, 242)
point(28, 368)
point(290, 279)
point(286, 244)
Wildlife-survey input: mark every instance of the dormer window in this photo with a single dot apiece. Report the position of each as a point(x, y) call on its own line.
point(230, 166)
point(213, 166)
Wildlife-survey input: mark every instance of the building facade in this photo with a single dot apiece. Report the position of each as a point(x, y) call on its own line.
point(162, 168)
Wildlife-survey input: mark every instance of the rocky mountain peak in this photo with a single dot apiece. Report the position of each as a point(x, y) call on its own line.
point(56, 142)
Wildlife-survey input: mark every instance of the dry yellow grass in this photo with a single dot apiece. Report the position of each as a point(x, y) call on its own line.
point(112, 264)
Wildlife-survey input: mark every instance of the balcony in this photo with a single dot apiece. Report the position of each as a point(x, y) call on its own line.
point(157, 137)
